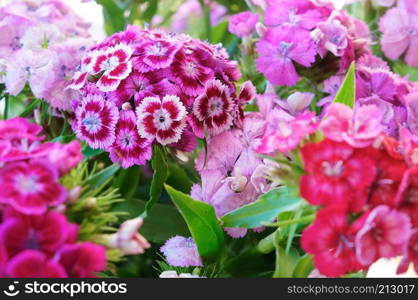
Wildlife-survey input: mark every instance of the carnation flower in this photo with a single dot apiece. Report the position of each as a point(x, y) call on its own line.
point(336, 174)
point(95, 121)
point(385, 233)
point(407, 196)
point(45, 233)
point(82, 260)
point(31, 187)
point(65, 157)
point(330, 239)
point(359, 128)
point(155, 55)
point(399, 30)
point(34, 264)
point(113, 64)
point(278, 49)
point(243, 24)
point(181, 252)
point(330, 36)
point(214, 107)
point(163, 119)
point(411, 255)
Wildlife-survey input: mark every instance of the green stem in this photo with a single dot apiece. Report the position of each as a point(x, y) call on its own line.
point(208, 25)
point(6, 107)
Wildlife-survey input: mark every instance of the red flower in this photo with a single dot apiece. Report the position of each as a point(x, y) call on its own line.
point(330, 239)
point(154, 55)
point(411, 255)
point(407, 197)
point(214, 107)
point(336, 174)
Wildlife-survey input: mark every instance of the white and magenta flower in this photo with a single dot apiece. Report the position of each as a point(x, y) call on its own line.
point(161, 119)
point(154, 55)
point(214, 108)
point(80, 76)
point(31, 187)
point(129, 148)
point(113, 64)
point(95, 121)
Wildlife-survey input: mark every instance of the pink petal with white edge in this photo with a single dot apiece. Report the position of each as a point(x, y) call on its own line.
point(106, 84)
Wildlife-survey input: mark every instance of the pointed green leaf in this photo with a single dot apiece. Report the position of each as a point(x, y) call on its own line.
point(201, 219)
point(285, 262)
point(303, 267)
point(265, 209)
point(347, 92)
point(101, 177)
point(160, 167)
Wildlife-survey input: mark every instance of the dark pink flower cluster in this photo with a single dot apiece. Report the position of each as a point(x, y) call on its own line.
point(146, 86)
point(35, 240)
point(369, 199)
point(298, 33)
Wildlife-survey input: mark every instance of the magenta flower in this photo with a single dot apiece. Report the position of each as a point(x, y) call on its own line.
point(243, 24)
point(30, 187)
point(114, 63)
point(277, 50)
point(359, 128)
point(45, 233)
point(154, 55)
point(66, 156)
point(34, 264)
point(80, 76)
point(95, 121)
point(411, 255)
point(190, 73)
point(400, 34)
point(163, 120)
point(181, 252)
point(214, 107)
point(129, 148)
point(330, 36)
point(385, 233)
point(82, 260)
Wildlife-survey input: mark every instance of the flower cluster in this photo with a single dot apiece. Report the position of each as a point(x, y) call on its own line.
point(364, 180)
point(36, 239)
point(299, 33)
point(141, 87)
point(42, 43)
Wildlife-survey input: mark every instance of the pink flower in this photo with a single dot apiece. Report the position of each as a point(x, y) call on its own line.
point(297, 103)
point(288, 133)
point(30, 187)
point(277, 50)
point(330, 239)
point(34, 264)
point(214, 107)
point(407, 196)
point(45, 233)
point(181, 252)
point(330, 36)
point(65, 157)
point(127, 238)
point(400, 34)
point(411, 255)
point(385, 233)
point(95, 121)
point(82, 260)
point(359, 128)
point(163, 120)
point(243, 24)
point(336, 174)
point(129, 148)
point(372, 83)
point(80, 76)
point(114, 63)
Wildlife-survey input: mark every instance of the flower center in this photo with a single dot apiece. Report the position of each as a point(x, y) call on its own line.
point(190, 68)
point(32, 240)
point(27, 184)
point(92, 122)
point(162, 119)
point(284, 48)
point(333, 169)
point(157, 49)
point(215, 106)
point(110, 63)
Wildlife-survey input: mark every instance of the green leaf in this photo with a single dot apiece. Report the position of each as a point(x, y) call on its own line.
point(266, 208)
point(156, 230)
point(203, 224)
point(303, 267)
point(285, 263)
point(160, 167)
point(101, 177)
point(89, 152)
point(178, 178)
point(150, 11)
point(113, 15)
point(347, 92)
point(127, 181)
